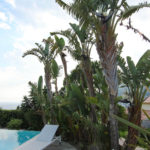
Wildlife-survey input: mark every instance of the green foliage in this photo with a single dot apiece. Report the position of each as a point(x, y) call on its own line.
point(40, 85)
point(81, 33)
point(136, 77)
point(141, 130)
point(72, 107)
point(8, 115)
point(60, 42)
point(144, 139)
point(55, 69)
point(14, 124)
point(29, 120)
point(122, 114)
point(74, 47)
point(30, 102)
point(123, 134)
point(34, 120)
point(72, 113)
point(132, 9)
point(146, 114)
point(27, 104)
point(38, 100)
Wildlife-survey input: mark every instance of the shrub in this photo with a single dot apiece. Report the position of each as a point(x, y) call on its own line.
point(14, 124)
point(7, 115)
point(30, 120)
point(122, 114)
point(34, 120)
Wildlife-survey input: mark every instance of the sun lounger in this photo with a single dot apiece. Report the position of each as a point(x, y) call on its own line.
point(41, 141)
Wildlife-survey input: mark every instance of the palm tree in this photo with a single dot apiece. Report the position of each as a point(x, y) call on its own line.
point(37, 90)
point(45, 55)
point(103, 17)
point(136, 79)
point(60, 50)
point(81, 42)
point(55, 73)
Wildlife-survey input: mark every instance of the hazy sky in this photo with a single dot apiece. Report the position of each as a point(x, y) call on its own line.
point(24, 22)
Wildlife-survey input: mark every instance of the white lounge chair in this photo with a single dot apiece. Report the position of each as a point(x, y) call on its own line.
point(41, 141)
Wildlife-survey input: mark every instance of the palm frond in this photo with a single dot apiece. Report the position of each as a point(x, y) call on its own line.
point(132, 67)
point(39, 46)
point(144, 61)
point(80, 9)
point(146, 114)
point(141, 130)
point(34, 52)
point(133, 9)
point(75, 46)
point(81, 33)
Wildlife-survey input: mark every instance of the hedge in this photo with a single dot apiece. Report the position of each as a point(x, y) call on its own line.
point(30, 120)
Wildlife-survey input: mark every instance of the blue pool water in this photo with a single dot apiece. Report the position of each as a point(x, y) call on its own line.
point(11, 139)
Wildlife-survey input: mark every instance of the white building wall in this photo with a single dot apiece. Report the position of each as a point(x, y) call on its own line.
point(146, 106)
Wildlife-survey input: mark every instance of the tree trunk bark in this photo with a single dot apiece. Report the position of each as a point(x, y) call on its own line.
point(48, 85)
point(49, 92)
point(113, 124)
point(56, 86)
point(87, 71)
point(107, 51)
point(134, 117)
point(43, 117)
point(62, 55)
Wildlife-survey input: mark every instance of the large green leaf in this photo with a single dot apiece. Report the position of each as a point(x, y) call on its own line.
point(80, 32)
point(146, 114)
point(46, 50)
point(141, 130)
point(54, 68)
point(132, 67)
point(40, 85)
point(143, 66)
point(60, 42)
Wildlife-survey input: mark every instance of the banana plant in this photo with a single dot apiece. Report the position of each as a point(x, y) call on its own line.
point(55, 73)
point(136, 79)
point(45, 55)
point(81, 42)
point(141, 140)
point(103, 17)
point(74, 112)
point(60, 42)
point(38, 94)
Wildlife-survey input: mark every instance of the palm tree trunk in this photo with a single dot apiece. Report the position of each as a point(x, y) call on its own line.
point(48, 85)
point(113, 124)
point(107, 51)
point(64, 62)
point(49, 92)
point(56, 86)
point(135, 118)
point(43, 117)
point(87, 71)
point(86, 67)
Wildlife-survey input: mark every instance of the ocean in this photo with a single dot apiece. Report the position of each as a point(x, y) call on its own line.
point(9, 105)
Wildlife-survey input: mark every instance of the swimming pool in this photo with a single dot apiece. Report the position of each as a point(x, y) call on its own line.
point(11, 139)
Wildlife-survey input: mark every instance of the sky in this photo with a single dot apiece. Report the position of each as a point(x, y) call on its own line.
point(24, 22)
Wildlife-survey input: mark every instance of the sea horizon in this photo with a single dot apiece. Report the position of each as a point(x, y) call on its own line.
point(9, 105)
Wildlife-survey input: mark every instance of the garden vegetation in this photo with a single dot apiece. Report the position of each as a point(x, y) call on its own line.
point(86, 107)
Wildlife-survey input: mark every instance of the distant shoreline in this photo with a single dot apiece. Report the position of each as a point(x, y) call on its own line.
point(9, 105)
